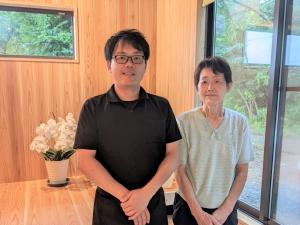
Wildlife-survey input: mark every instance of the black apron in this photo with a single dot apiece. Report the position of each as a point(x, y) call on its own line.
point(108, 211)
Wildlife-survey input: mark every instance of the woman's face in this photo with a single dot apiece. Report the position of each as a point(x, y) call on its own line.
point(212, 87)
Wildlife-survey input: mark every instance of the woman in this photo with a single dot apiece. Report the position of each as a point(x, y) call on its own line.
point(215, 152)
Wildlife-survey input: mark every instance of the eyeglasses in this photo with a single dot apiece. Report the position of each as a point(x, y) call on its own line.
point(123, 59)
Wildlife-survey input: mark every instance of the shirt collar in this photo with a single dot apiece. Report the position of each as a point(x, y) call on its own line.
point(113, 97)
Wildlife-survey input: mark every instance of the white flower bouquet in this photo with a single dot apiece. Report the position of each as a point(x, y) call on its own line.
point(55, 139)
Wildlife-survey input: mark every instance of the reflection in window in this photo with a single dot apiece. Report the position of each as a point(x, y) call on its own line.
point(258, 45)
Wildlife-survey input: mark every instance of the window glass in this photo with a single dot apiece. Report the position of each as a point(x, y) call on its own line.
point(288, 195)
point(287, 204)
point(243, 36)
point(28, 32)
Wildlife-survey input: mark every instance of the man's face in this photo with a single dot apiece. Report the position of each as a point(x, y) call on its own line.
point(128, 74)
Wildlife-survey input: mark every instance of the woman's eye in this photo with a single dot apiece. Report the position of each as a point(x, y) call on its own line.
point(219, 81)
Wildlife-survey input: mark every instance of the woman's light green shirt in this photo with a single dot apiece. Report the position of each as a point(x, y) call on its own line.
point(210, 155)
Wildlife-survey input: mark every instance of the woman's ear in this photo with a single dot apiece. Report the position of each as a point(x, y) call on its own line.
point(229, 86)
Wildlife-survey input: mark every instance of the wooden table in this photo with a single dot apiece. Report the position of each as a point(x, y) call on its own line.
point(34, 203)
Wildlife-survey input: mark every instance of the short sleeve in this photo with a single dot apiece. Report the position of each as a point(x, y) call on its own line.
point(172, 130)
point(182, 144)
point(86, 134)
point(246, 154)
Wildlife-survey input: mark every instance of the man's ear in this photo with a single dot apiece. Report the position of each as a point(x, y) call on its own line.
point(108, 64)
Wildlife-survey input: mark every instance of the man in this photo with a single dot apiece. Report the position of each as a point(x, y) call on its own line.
point(127, 140)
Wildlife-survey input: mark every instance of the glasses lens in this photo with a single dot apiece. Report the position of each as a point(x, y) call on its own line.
point(137, 59)
point(122, 59)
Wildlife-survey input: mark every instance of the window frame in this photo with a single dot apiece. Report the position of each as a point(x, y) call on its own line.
point(45, 8)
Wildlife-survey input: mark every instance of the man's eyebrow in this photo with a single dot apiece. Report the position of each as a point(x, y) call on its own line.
point(124, 53)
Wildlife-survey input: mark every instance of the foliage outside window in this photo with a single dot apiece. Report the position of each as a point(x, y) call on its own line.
point(234, 21)
point(27, 32)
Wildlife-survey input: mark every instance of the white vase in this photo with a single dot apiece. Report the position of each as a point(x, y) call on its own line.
point(57, 172)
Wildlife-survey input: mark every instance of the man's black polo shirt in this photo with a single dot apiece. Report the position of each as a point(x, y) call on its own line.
point(130, 137)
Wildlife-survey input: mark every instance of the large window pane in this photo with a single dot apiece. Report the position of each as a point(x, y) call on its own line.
point(36, 33)
point(288, 196)
point(243, 36)
point(287, 204)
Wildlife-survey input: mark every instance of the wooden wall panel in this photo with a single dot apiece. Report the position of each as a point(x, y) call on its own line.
point(148, 25)
point(31, 91)
point(176, 44)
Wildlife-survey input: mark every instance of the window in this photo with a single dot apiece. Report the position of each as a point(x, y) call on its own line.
point(36, 33)
point(286, 188)
point(238, 41)
point(260, 40)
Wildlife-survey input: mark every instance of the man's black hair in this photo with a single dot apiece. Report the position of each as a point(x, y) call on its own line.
point(130, 36)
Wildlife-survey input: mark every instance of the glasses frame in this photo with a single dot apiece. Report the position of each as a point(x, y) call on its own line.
point(129, 57)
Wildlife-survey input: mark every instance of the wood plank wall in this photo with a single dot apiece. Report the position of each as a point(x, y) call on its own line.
point(31, 91)
point(176, 52)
